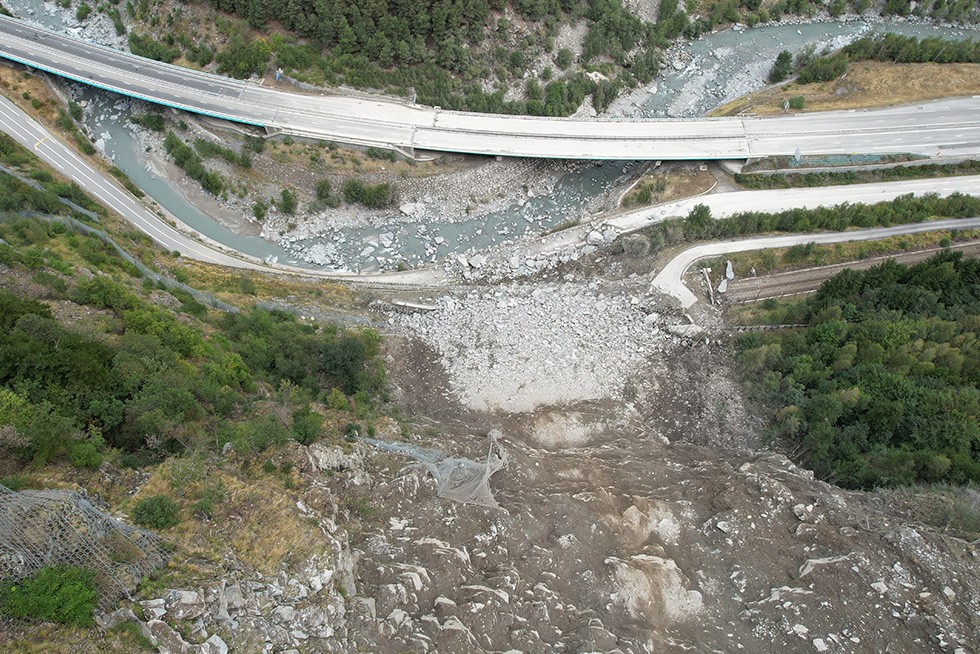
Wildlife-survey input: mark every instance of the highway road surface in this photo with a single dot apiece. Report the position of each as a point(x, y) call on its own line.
point(670, 279)
point(947, 128)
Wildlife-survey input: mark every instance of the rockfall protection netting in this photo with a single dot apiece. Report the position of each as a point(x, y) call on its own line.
point(41, 528)
point(462, 480)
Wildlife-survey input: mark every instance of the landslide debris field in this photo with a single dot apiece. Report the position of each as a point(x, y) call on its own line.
point(636, 514)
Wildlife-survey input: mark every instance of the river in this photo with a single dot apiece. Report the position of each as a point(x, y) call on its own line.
point(710, 70)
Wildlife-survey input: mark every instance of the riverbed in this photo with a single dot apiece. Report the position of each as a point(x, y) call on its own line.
point(698, 76)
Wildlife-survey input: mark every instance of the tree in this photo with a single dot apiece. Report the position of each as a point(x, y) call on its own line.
point(698, 221)
point(782, 67)
point(564, 58)
point(287, 202)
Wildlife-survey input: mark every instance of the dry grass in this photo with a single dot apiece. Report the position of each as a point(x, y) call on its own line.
point(866, 84)
point(16, 82)
point(36, 638)
point(245, 288)
point(323, 159)
point(676, 184)
point(256, 520)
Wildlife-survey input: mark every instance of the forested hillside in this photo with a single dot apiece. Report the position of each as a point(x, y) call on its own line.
point(97, 360)
point(883, 386)
point(540, 57)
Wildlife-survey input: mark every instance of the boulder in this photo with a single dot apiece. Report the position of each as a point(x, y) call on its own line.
point(166, 639)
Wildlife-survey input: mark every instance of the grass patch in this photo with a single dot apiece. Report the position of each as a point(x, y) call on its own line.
point(242, 505)
point(867, 84)
point(666, 186)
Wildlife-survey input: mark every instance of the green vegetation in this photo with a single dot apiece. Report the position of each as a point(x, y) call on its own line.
point(147, 46)
point(287, 202)
point(192, 164)
point(884, 47)
point(797, 102)
point(44, 194)
point(782, 67)
point(243, 57)
point(323, 190)
point(83, 12)
point(644, 193)
point(117, 22)
point(133, 380)
point(793, 180)
point(881, 387)
point(208, 149)
point(200, 54)
point(157, 385)
point(126, 181)
point(74, 110)
point(60, 594)
point(443, 50)
point(381, 154)
point(152, 121)
point(156, 512)
point(66, 123)
point(823, 69)
point(902, 210)
point(909, 49)
point(962, 11)
point(375, 196)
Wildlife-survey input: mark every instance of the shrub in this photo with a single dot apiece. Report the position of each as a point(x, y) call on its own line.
point(564, 58)
point(375, 196)
point(380, 153)
point(243, 57)
point(287, 202)
point(152, 121)
point(306, 425)
point(84, 455)
point(83, 12)
point(61, 594)
point(823, 69)
point(797, 102)
point(147, 46)
point(337, 401)
point(323, 190)
point(782, 67)
point(156, 512)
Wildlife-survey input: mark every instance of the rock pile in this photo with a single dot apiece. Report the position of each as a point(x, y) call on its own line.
point(517, 347)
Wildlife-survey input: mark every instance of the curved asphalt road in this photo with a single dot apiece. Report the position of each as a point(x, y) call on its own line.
point(949, 127)
point(669, 280)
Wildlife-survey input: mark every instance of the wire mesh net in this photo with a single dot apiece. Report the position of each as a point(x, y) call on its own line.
point(462, 480)
point(42, 528)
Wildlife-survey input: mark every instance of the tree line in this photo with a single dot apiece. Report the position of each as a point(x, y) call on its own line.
point(699, 224)
point(882, 387)
point(893, 48)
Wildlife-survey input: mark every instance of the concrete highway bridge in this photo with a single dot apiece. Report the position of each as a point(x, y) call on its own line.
point(943, 128)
